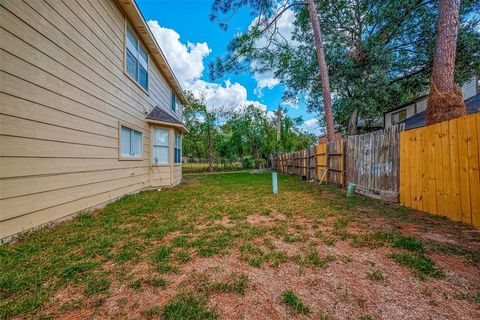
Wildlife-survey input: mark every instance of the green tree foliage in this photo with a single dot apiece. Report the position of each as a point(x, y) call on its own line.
point(203, 132)
point(249, 135)
point(379, 53)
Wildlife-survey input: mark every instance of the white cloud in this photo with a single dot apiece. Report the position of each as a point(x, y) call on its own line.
point(188, 66)
point(227, 97)
point(311, 123)
point(312, 126)
point(185, 60)
point(264, 80)
point(285, 26)
point(291, 104)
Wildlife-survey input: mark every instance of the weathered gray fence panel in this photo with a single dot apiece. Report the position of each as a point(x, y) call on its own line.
point(373, 163)
point(336, 162)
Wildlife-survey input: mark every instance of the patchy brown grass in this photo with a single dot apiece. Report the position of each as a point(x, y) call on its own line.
point(222, 246)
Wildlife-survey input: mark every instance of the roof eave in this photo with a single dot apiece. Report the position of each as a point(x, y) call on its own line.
point(168, 124)
point(137, 21)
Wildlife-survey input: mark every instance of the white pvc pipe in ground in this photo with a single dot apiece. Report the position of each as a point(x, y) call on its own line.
point(274, 183)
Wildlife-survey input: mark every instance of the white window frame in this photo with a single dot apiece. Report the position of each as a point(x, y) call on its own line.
point(398, 112)
point(135, 51)
point(123, 156)
point(178, 139)
point(162, 146)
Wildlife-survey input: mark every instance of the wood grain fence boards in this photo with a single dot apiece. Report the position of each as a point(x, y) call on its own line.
point(336, 162)
point(439, 169)
point(373, 163)
point(312, 165)
point(321, 163)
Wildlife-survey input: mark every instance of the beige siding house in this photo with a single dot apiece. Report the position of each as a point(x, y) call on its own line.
point(89, 109)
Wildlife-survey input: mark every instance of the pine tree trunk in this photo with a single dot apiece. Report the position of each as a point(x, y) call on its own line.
point(327, 99)
point(445, 100)
point(352, 124)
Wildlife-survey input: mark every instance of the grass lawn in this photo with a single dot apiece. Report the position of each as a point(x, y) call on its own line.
point(222, 246)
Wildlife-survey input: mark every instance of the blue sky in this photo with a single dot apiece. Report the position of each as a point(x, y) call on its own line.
point(190, 40)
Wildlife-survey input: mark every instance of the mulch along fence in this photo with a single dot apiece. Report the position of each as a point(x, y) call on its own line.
point(433, 168)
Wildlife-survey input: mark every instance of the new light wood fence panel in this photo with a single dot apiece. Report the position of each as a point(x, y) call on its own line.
point(439, 169)
point(373, 163)
point(321, 162)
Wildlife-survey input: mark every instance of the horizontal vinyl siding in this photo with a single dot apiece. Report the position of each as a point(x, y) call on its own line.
point(177, 174)
point(63, 93)
point(160, 176)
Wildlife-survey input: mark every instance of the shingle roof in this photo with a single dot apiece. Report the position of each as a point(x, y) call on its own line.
point(418, 120)
point(158, 114)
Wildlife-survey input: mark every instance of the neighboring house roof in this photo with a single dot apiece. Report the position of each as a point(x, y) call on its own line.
point(160, 116)
point(418, 120)
point(138, 22)
point(407, 104)
point(377, 123)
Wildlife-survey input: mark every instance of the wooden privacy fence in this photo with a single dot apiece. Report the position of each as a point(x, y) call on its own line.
point(322, 162)
point(439, 169)
point(373, 163)
point(435, 169)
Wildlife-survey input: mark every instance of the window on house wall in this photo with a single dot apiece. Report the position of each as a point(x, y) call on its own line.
point(161, 139)
point(131, 143)
point(174, 102)
point(178, 148)
point(136, 56)
point(399, 116)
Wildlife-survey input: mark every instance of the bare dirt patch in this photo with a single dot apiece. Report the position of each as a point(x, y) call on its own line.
point(226, 222)
point(257, 219)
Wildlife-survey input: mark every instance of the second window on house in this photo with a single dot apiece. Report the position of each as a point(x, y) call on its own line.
point(136, 59)
point(161, 138)
point(130, 143)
